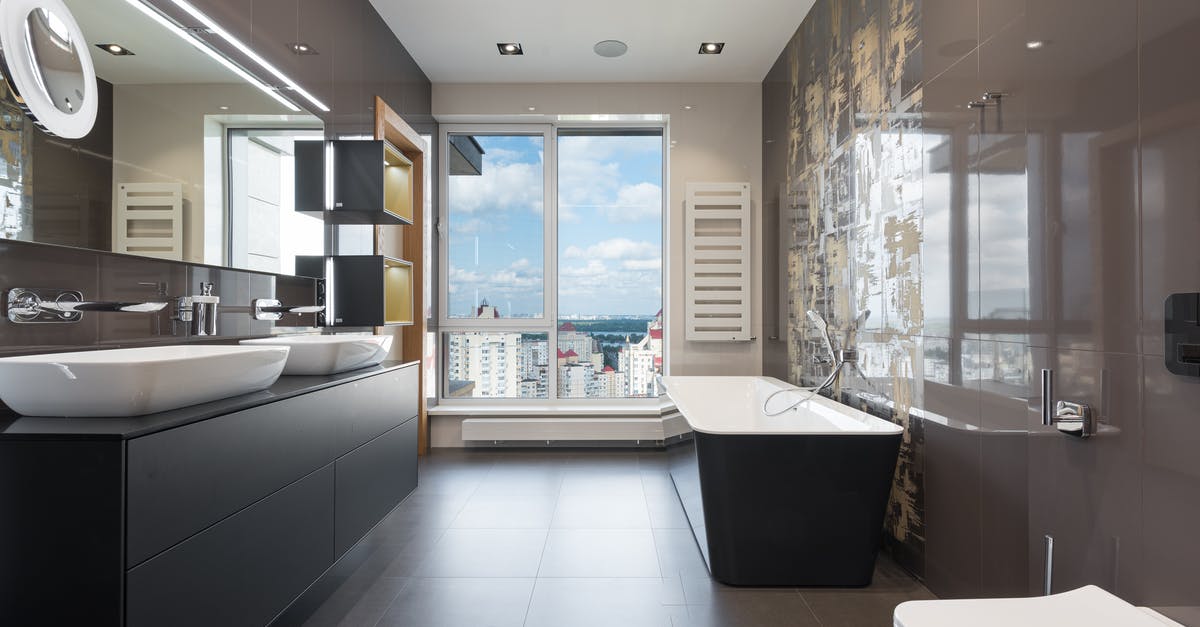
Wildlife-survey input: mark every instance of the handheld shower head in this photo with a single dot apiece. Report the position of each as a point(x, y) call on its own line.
point(823, 327)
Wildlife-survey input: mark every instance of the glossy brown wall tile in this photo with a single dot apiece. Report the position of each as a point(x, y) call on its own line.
point(1040, 229)
point(115, 277)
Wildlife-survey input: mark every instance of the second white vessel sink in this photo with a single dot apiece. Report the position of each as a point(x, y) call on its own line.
point(328, 354)
point(135, 381)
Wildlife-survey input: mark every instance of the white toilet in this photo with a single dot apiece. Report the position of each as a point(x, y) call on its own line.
point(1088, 606)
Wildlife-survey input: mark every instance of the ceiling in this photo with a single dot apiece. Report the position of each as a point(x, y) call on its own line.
point(160, 56)
point(454, 41)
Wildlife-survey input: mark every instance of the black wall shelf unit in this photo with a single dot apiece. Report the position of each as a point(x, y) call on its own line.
point(372, 182)
point(368, 290)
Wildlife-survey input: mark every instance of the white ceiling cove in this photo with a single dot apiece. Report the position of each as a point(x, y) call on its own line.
point(454, 41)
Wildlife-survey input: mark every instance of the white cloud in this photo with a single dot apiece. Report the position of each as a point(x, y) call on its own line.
point(473, 226)
point(594, 268)
point(642, 201)
point(506, 187)
point(642, 264)
point(616, 248)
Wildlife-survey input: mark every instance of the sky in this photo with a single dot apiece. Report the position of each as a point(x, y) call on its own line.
point(609, 227)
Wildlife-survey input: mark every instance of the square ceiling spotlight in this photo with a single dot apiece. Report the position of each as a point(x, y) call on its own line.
point(510, 49)
point(712, 47)
point(117, 50)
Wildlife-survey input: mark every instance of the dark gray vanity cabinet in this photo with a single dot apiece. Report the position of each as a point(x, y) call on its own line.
point(223, 520)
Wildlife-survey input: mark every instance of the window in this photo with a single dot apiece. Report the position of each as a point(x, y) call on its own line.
point(496, 196)
point(553, 283)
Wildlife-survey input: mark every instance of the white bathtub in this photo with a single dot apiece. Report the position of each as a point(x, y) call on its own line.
point(791, 500)
point(734, 405)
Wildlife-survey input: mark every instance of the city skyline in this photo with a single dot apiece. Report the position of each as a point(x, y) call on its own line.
point(516, 364)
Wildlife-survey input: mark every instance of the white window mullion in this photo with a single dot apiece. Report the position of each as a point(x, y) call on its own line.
point(550, 214)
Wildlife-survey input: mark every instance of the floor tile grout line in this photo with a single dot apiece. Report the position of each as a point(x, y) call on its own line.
point(536, 577)
point(407, 582)
point(811, 611)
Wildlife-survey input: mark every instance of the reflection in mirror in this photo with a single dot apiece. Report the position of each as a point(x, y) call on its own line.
point(187, 160)
point(57, 65)
point(265, 231)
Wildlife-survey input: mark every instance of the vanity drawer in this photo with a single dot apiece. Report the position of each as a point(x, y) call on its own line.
point(374, 405)
point(371, 480)
point(182, 480)
point(243, 570)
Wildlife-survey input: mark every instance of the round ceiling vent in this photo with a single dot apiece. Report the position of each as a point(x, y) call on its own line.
point(610, 48)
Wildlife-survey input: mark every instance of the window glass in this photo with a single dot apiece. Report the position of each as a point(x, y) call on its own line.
point(495, 226)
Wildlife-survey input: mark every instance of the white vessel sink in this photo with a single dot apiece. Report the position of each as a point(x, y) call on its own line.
point(135, 381)
point(328, 354)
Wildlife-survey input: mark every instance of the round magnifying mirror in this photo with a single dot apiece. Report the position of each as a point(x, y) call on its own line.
point(47, 63)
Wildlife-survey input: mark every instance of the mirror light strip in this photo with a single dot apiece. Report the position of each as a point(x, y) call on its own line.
point(203, 47)
point(248, 51)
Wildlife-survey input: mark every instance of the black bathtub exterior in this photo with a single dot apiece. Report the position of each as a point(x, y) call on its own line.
point(787, 510)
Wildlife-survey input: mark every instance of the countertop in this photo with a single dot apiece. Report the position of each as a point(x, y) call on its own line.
point(16, 427)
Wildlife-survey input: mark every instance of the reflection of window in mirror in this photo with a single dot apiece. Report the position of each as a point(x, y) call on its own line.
point(264, 232)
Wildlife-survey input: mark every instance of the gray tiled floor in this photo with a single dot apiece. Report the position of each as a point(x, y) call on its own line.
point(564, 539)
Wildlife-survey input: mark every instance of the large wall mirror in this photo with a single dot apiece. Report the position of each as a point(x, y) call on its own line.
point(187, 159)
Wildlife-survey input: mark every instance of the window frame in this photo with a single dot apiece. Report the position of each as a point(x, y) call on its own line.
point(548, 324)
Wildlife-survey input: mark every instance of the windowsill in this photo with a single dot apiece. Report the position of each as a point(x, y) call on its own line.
point(630, 407)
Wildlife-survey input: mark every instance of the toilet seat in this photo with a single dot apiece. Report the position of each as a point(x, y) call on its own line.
point(1088, 606)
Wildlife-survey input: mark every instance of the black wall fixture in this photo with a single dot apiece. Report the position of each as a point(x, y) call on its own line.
point(372, 182)
point(368, 290)
point(1181, 333)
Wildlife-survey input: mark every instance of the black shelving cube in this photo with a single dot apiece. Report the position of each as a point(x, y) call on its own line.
point(372, 182)
point(368, 290)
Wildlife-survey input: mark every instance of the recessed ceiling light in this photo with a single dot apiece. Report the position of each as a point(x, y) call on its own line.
point(1036, 44)
point(688, 107)
point(117, 50)
point(510, 48)
point(610, 48)
point(532, 108)
point(712, 47)
point(301, 48)
point(224, 107)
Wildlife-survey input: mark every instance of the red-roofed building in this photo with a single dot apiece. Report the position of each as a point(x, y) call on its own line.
point(484, 310)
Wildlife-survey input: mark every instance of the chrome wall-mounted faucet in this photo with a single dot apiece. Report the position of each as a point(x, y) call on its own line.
point(271, 309)
point(1070, 418)
point(33, 305)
